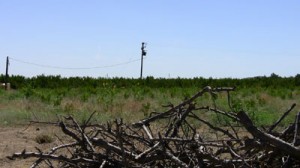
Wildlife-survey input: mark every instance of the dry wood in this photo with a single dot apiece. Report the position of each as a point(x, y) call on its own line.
point(177, 142)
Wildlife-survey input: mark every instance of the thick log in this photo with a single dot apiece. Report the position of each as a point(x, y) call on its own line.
point(281, 145)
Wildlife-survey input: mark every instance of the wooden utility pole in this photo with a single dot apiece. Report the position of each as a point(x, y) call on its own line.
point(142, 57)
point(6, 73)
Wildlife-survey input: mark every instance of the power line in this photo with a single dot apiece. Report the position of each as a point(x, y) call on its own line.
point(73, 68)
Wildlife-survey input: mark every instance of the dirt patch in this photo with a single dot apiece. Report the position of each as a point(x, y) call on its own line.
point(16, 139)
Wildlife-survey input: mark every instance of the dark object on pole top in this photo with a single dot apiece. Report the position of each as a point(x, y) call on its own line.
point(144, 52)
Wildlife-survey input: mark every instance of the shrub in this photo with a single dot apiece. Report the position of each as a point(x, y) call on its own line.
point(44, 138)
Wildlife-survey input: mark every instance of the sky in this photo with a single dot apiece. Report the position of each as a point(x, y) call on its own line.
point(192, 38)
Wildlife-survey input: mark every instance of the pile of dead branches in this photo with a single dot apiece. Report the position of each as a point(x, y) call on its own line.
point(173, 139)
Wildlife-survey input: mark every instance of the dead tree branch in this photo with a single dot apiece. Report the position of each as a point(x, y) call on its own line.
point(184, 139)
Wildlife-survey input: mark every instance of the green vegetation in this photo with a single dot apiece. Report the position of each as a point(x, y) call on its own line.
point(47, 98)
point(54, 82)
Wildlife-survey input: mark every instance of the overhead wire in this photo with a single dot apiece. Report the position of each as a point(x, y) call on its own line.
point(73, 68)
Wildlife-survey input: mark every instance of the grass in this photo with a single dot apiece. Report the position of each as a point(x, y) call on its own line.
point(265, 106)
point(44, 138)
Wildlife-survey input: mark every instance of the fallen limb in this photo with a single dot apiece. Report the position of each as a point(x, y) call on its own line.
point(272, 140)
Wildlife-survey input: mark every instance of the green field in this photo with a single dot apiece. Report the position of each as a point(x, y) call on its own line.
point(47, 98)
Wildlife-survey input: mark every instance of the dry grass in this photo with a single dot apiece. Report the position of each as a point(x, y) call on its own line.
point(44, 138)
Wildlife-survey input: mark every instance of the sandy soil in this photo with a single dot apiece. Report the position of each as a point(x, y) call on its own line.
point(16, 139)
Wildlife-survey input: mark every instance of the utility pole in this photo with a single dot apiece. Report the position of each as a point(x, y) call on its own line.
point(142, 57)
point(6, 73)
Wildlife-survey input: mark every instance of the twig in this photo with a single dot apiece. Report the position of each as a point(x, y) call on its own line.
point(213, 127)
point(297, 130)
point(55, 157)
point(84, 137)
point(281, 118)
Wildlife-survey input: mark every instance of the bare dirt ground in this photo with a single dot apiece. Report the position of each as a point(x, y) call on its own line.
point(16, 139)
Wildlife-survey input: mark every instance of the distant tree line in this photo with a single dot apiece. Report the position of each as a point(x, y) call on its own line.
point(51, 82)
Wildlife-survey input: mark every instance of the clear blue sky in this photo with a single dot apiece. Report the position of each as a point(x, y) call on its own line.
point(215, 38)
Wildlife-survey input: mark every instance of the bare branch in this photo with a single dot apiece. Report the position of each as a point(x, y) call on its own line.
point(281, 118)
